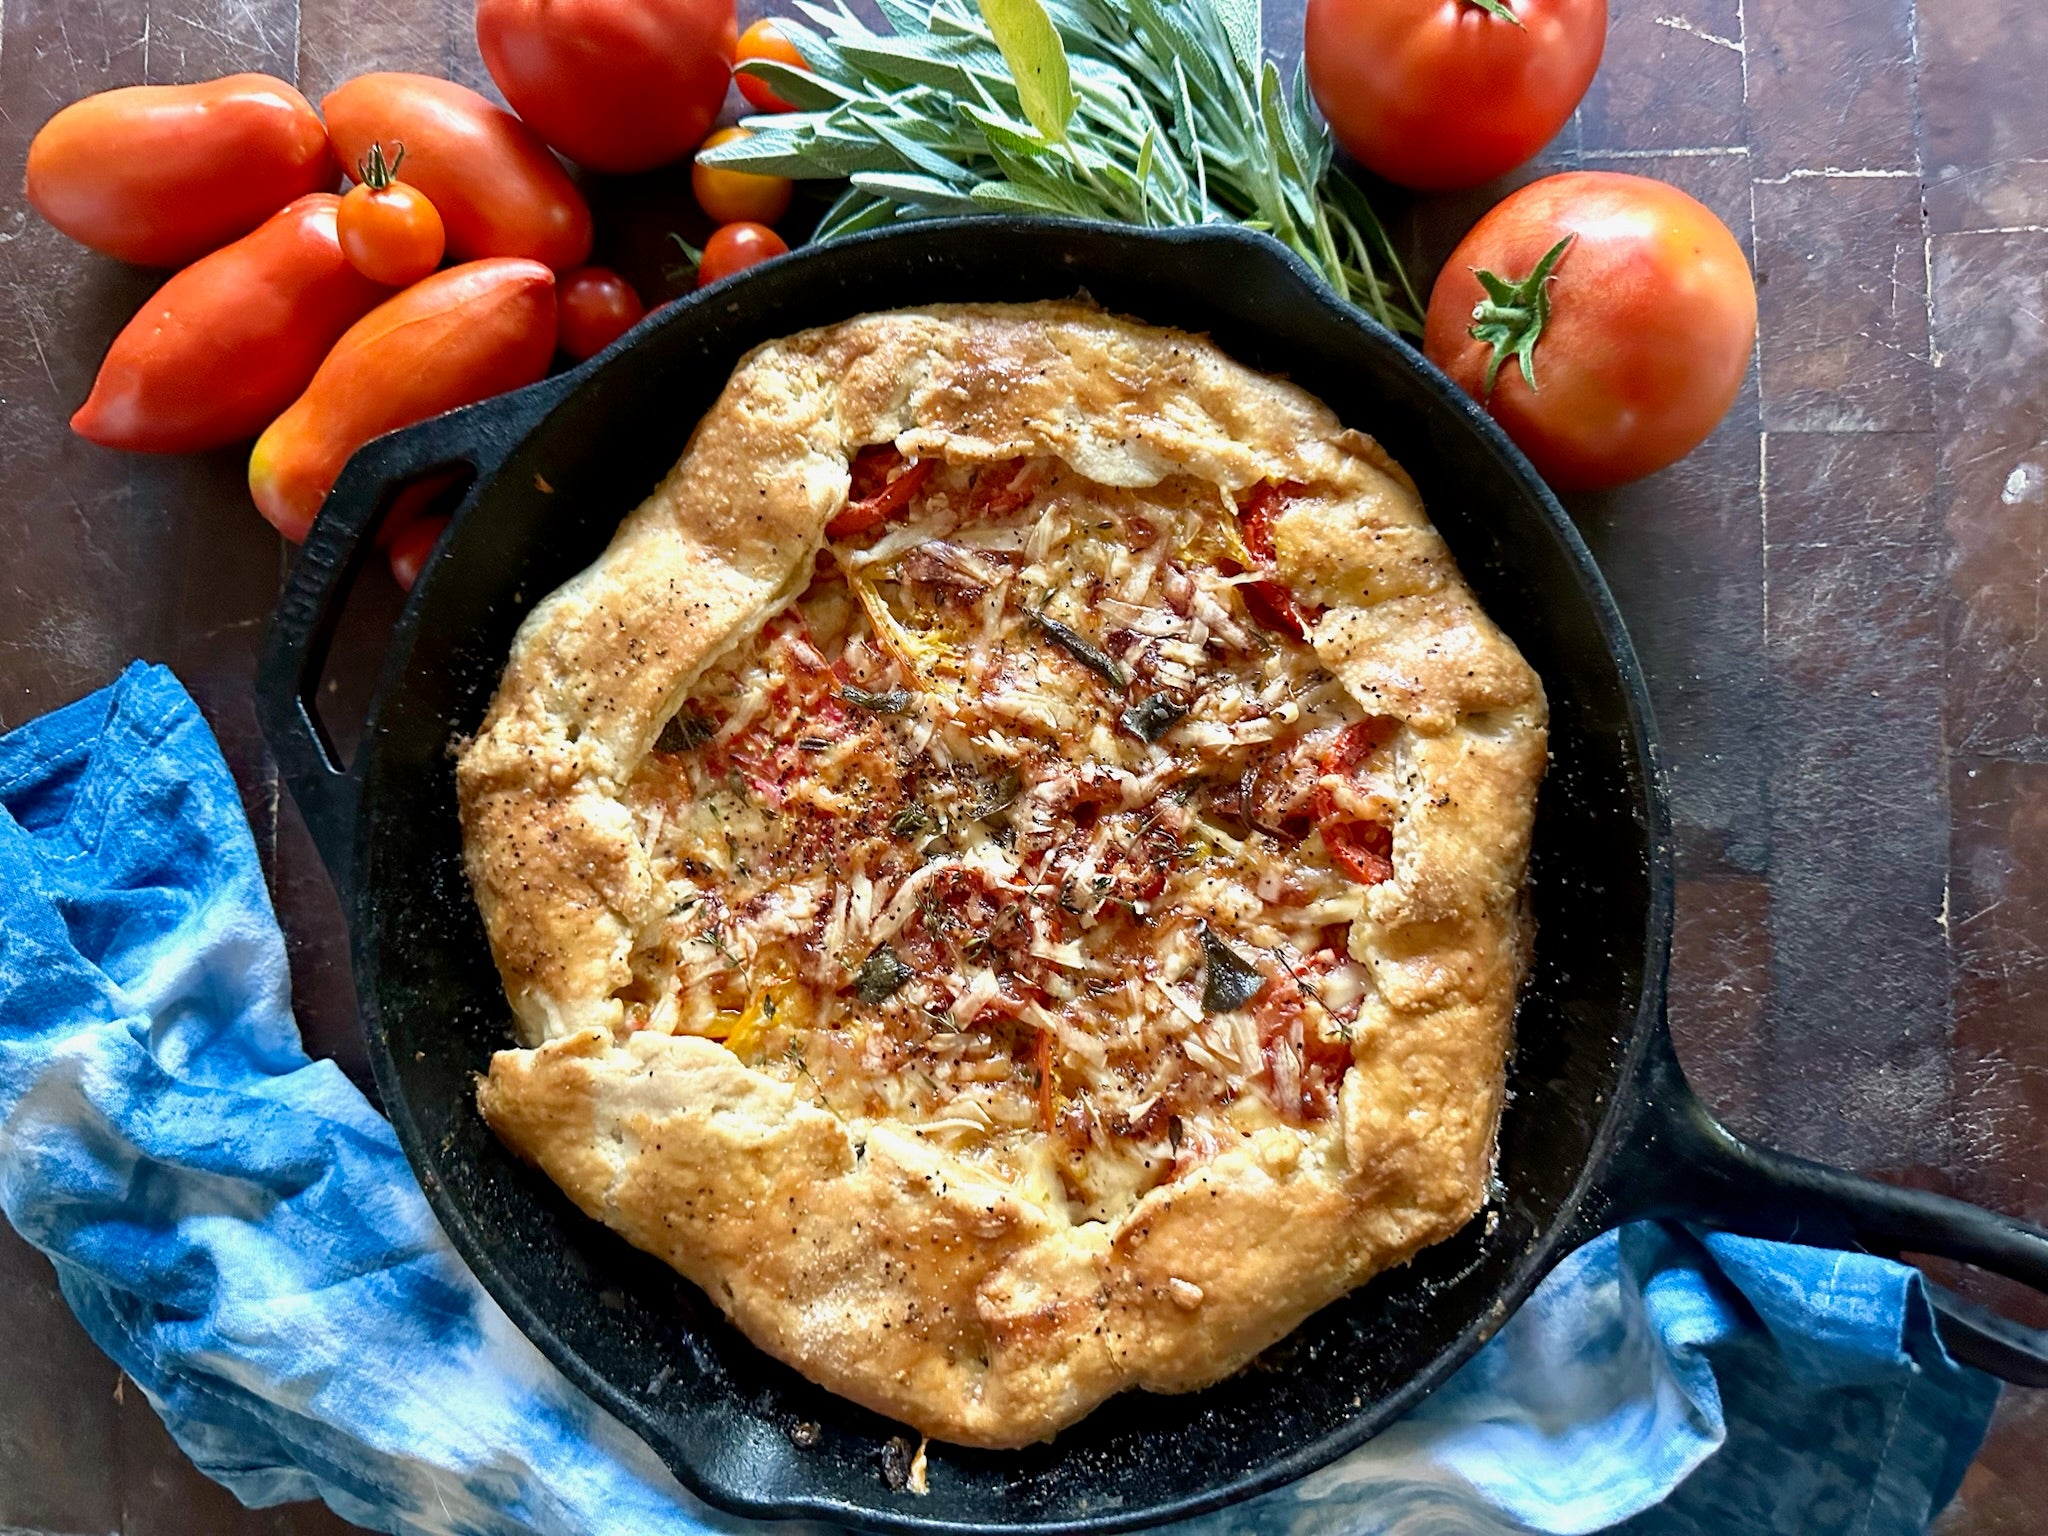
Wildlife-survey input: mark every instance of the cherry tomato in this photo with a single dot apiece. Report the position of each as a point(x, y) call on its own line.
point(731, 197)
point(596, 307)
point(449, 340)
point(231, 340)
point(162, 174)
point(497, 189)
point(1450, 93)
point(1363, 850)
point(388, 228)
point(879, 485)
point(412, 548)
point(735, 247)
point(1617, 329)
point(616, 85)
point(765, 40)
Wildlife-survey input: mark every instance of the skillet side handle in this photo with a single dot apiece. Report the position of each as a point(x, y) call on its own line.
point(469, 445)
point(1676, 1162)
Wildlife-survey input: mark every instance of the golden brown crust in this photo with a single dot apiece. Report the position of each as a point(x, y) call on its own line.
point(875, 1262)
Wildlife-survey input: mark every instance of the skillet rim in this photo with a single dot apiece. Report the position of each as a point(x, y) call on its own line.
point(1650, 809)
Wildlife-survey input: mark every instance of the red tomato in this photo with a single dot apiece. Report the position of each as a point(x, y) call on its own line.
point(162, 174)
point(450, 340)
point(1363, 850)
point(879, 485)
point(412, 548)
point(498, 190)
point(1447, 93)
point(734, 197)
point(389, 230)
point(230, 341)
point(596, 307)
point(616, 85)
point(765, 40)
point(1270, 603)
point(735, 247)
point(1623, 354)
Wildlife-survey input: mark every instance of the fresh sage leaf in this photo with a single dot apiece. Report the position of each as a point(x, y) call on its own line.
point(1152, 717)
point(881, 976)
point(1233, 980)
point(895, 702)
point(1100, 662)
point(1037, 58)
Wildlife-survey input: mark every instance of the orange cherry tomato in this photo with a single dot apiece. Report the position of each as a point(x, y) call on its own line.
point(765, 40)
point(162, 174)
point(735, 247)
point(732, 197)
point(616, 85)
point(413, 547)
point(449, 340)
point(497, 189)
point(1618, 332)
point(388, 228)
point(596, 307)
point(231, 340)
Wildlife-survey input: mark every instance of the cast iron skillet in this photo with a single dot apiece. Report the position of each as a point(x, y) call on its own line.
point(1600, 1128)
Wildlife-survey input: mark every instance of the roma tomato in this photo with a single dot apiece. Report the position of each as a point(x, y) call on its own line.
point(732, 197)
point(230, 341)
point(1604, 320)
point(616, 85)
point(735, 247)
point(388, 228)
point(498, 190)
point(450, 340)
point(413, 547)
point(765, 40)
point(1450, 93)
point(597, 307)
point(162, 174)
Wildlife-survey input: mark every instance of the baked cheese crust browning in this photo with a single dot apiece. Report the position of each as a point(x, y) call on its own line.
point(1008, 871)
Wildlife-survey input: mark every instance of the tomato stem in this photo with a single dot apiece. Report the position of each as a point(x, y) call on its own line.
point(1511, 317)
point(374, 172)
point(1496, 8)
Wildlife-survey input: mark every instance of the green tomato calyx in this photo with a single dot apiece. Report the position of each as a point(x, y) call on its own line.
point(1511, 317)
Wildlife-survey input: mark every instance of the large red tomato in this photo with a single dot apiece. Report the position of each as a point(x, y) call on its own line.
point(1450, 93)
point(616, 85)
point(1604, 320)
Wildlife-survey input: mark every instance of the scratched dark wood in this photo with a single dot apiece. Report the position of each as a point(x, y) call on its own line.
point(1838, 599)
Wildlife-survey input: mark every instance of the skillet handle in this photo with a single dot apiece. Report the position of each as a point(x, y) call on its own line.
point(1677, 1162)
point(471, 443)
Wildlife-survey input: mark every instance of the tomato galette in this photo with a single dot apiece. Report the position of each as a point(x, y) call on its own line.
point(1009, 868)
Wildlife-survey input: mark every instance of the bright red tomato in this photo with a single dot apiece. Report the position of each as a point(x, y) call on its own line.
point(162, 174)
point(1604, 320)
point(391, 232)
point(616, 85)
point(765, 40)
point(594, 307)
point(734, 197)
point(413, 547)
point(1450, 93)
point(230, 341)
point(735, 247)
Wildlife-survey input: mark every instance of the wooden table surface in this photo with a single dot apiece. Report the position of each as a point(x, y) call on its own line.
point(1840, 601)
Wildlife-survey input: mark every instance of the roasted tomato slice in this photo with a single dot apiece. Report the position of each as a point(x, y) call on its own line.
point(1269, 602)
point(1364, 850)
point(883, 484)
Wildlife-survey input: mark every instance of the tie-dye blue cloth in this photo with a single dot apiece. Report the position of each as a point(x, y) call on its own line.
point(236, 1227)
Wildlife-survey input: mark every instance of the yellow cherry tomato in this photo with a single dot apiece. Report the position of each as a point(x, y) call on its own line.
point(734, 197)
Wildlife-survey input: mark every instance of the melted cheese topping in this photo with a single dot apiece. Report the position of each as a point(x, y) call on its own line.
point(1031, 824)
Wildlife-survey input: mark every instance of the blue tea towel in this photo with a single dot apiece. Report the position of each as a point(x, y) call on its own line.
point(237, 1228)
